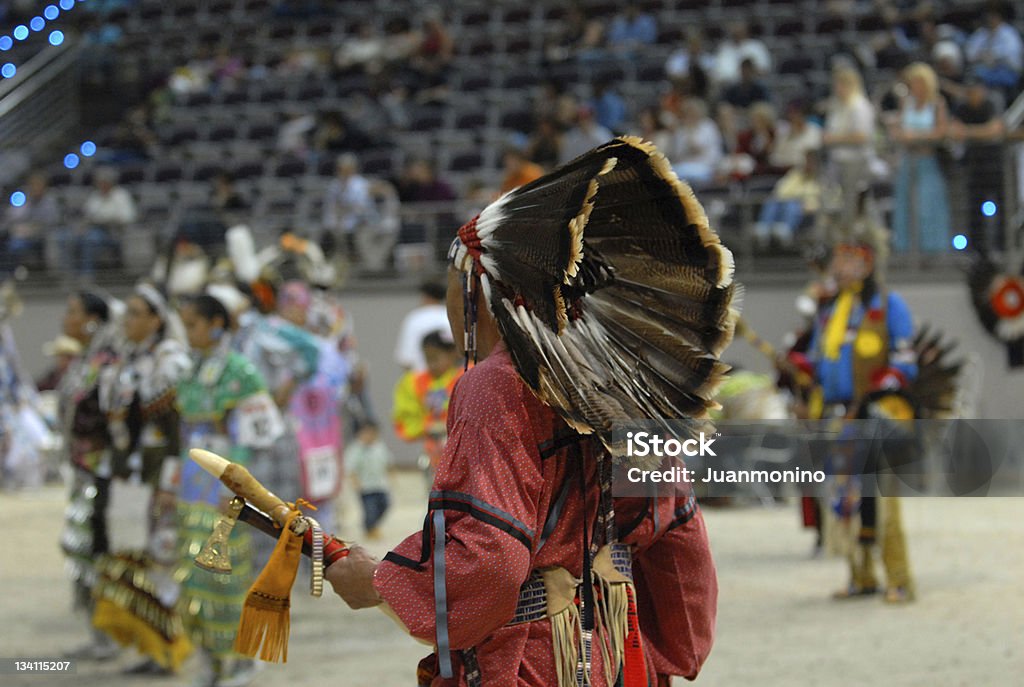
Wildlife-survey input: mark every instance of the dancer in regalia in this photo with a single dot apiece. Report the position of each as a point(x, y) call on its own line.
point(594, 296)
point(136, 593)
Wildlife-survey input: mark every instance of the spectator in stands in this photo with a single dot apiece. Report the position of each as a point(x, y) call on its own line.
point(364, 52)
point(24, 228)
point(727, 119)
point(691, 64)
point(695, 147)
point(754, 145)
point(921, 206)
point(652, 127)
point(293, 137)
point(108, 211)
point(795, 196)
point(226, 70)
point(948, 60)
point(132, 140)
point(99, 59)
point(630, 30)
point(300, 62)
point(419, 183)
point(335, 134)
point(348, 206)
point(849, 136)
point(193, 77)
point(576, 38)
point(555, 101)
point(749, 89)
point(227, 201)
point(995, 51)
point(203, 226)
point(737, 47)
point(585, 135)
point(609, 107)
point(518, 169)
point(979, 126)
point(796, 135)
point(433, 55)
point(889, 48)
point(545, 146)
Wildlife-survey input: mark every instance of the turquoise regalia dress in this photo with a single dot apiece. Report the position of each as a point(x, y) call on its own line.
point(223, 407)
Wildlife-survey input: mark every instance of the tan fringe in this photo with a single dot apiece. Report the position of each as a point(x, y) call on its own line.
point(565, 631)
point(266, 627)
point(612, 617)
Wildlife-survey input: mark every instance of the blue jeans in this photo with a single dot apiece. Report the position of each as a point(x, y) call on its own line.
point(779, 211)
point(85, 246)
point(375, 505)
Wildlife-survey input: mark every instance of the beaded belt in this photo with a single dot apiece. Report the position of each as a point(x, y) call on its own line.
point(533, 596)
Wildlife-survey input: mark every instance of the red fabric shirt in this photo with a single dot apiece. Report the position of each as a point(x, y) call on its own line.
point(493, 460)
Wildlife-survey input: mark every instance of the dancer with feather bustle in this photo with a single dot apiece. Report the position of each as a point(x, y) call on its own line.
point(593, 296)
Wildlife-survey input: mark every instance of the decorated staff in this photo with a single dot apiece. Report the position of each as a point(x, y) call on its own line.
point(265, 615)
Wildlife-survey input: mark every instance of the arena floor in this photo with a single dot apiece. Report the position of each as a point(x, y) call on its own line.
point(776, 625)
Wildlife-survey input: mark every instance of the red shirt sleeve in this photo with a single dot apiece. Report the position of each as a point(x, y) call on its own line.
point(488, 484)
point(677, 595)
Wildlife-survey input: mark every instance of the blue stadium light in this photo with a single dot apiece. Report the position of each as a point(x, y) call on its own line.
point(51, 12)
point(67, 4)
point(6, 43)
point(71, 160)
point(989, 209)
point(56, 37)
point(959, 242)
point(20, 32)
point(8, 70)
point(18, 199)
point(88, 148)
point(37, 24)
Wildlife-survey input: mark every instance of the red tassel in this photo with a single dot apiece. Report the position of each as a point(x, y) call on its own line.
point(634, 672)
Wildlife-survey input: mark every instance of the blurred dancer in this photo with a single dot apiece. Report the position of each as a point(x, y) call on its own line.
point(135, 592)
point(421, 400)
point(23, 430)
point(863, 344)
point(314, 409)
point(224, 407)
point(87, 321)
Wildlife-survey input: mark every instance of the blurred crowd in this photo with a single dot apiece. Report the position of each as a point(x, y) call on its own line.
point(929, 137)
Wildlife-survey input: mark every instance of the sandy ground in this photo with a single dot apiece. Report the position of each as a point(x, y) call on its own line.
point(776, 625)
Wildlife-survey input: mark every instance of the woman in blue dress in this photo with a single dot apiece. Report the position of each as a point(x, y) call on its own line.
point(921, 196)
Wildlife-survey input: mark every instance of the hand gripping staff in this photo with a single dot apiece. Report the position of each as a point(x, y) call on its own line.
point(265, 618)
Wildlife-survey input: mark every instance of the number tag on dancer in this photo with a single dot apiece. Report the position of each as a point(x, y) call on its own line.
point(321, 472)
point(259, 421)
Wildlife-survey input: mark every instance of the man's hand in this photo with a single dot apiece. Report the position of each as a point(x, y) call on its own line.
point(352, 578)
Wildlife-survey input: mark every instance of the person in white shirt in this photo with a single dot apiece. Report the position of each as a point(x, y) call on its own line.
point(107, 212)
point(996, 50)
point(849, 136)
point(695, 146)
point(348, 205)
point(795, 136)
point(430, 316)
point(739, 46)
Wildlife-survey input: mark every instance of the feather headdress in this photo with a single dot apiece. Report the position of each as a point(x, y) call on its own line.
point(610, 290)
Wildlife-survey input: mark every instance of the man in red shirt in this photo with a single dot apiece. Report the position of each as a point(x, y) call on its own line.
point(520, 512)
